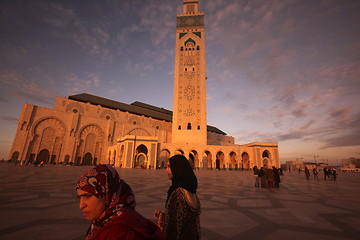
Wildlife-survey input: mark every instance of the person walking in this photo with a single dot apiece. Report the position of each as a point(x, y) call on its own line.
point(315, 173)
point(181, 219)
point(334, 174)
point(325, 173)
point(109, 203)
point(307, 173)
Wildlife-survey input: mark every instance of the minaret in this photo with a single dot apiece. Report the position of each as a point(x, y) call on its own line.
point(189, 110)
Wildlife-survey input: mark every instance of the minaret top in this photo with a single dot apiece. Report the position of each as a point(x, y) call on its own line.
point(191, 7)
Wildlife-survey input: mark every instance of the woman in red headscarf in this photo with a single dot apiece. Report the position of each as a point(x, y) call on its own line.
point(181, 219)
point(109, 203)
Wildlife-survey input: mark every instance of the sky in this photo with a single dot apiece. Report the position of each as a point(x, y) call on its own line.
point(277, 71)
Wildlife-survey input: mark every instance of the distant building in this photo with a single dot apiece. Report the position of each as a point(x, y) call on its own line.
point(350, 165)
point(353, 161)
point(294, 165)
point(87, 130)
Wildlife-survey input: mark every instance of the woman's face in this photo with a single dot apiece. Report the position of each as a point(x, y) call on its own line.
point(168, 171)
point(91, 206)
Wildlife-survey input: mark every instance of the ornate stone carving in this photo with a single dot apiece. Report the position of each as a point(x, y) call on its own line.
point(190, 21)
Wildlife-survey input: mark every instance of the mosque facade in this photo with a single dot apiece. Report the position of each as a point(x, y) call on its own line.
point(84, 129)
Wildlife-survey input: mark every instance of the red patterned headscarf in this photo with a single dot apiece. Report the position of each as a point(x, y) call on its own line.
point(104, 182)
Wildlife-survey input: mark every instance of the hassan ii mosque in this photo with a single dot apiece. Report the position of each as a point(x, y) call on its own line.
point(85, 129)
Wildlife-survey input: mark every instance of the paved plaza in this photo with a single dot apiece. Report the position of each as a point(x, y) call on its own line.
point(40, 203)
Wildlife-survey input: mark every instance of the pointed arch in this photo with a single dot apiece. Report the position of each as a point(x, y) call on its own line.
point(245, 161)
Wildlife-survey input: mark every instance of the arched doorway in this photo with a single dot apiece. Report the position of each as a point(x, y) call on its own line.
point(245, 163)
point(233, 164)
point(164, 158)
point(91, 138)
point(141, 158)
point(208, 159)
point(266, 159)
point(43, 156)
point(141, 161)
point(121, 156)
point(220, 162)
point(179, 152)
point(194, 159)
point(87, 159)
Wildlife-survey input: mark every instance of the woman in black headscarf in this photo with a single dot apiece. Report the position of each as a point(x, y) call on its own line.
point(181, 219)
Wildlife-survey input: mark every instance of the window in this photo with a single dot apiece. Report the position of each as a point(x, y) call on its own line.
point(189, 126)
point(179, 128)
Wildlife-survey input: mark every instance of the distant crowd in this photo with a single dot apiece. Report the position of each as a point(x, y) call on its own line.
point(329, 173)
point(267, 177)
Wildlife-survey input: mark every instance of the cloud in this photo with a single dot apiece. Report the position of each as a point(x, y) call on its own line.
point(346, 127)
point(66, 22)
point(9, 119)
point(44, 96)
point(341, 116)
point(13, 53)
point(26, 88)
point(58, 15)
point(76, 84)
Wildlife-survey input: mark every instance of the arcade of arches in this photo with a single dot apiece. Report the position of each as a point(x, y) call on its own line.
point(219, 160)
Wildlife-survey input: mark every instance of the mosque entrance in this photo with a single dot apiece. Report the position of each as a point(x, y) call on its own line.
point(43, 156)
point(194, 159)
point(164, 158)
point(266, 158)
point(141, 161)
point(208, 158)
point(245, 161)
point(220, 156)
point(87, 159)
point(217, 164)
point(141, 157)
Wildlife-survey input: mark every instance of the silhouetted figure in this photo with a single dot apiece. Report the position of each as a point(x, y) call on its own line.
point(262, 177)
point(276, 177)
point(307, 173)
point(334, 173)
point(315, 173)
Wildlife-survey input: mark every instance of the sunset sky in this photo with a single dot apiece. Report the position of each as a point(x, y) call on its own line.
point(277, 71)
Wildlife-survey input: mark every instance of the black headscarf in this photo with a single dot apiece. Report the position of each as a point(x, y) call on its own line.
point(183, 175)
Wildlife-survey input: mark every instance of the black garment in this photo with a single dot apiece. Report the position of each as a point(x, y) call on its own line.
point(276, 177)
point(261, 173)
point(183, 175)
point(256, 170)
